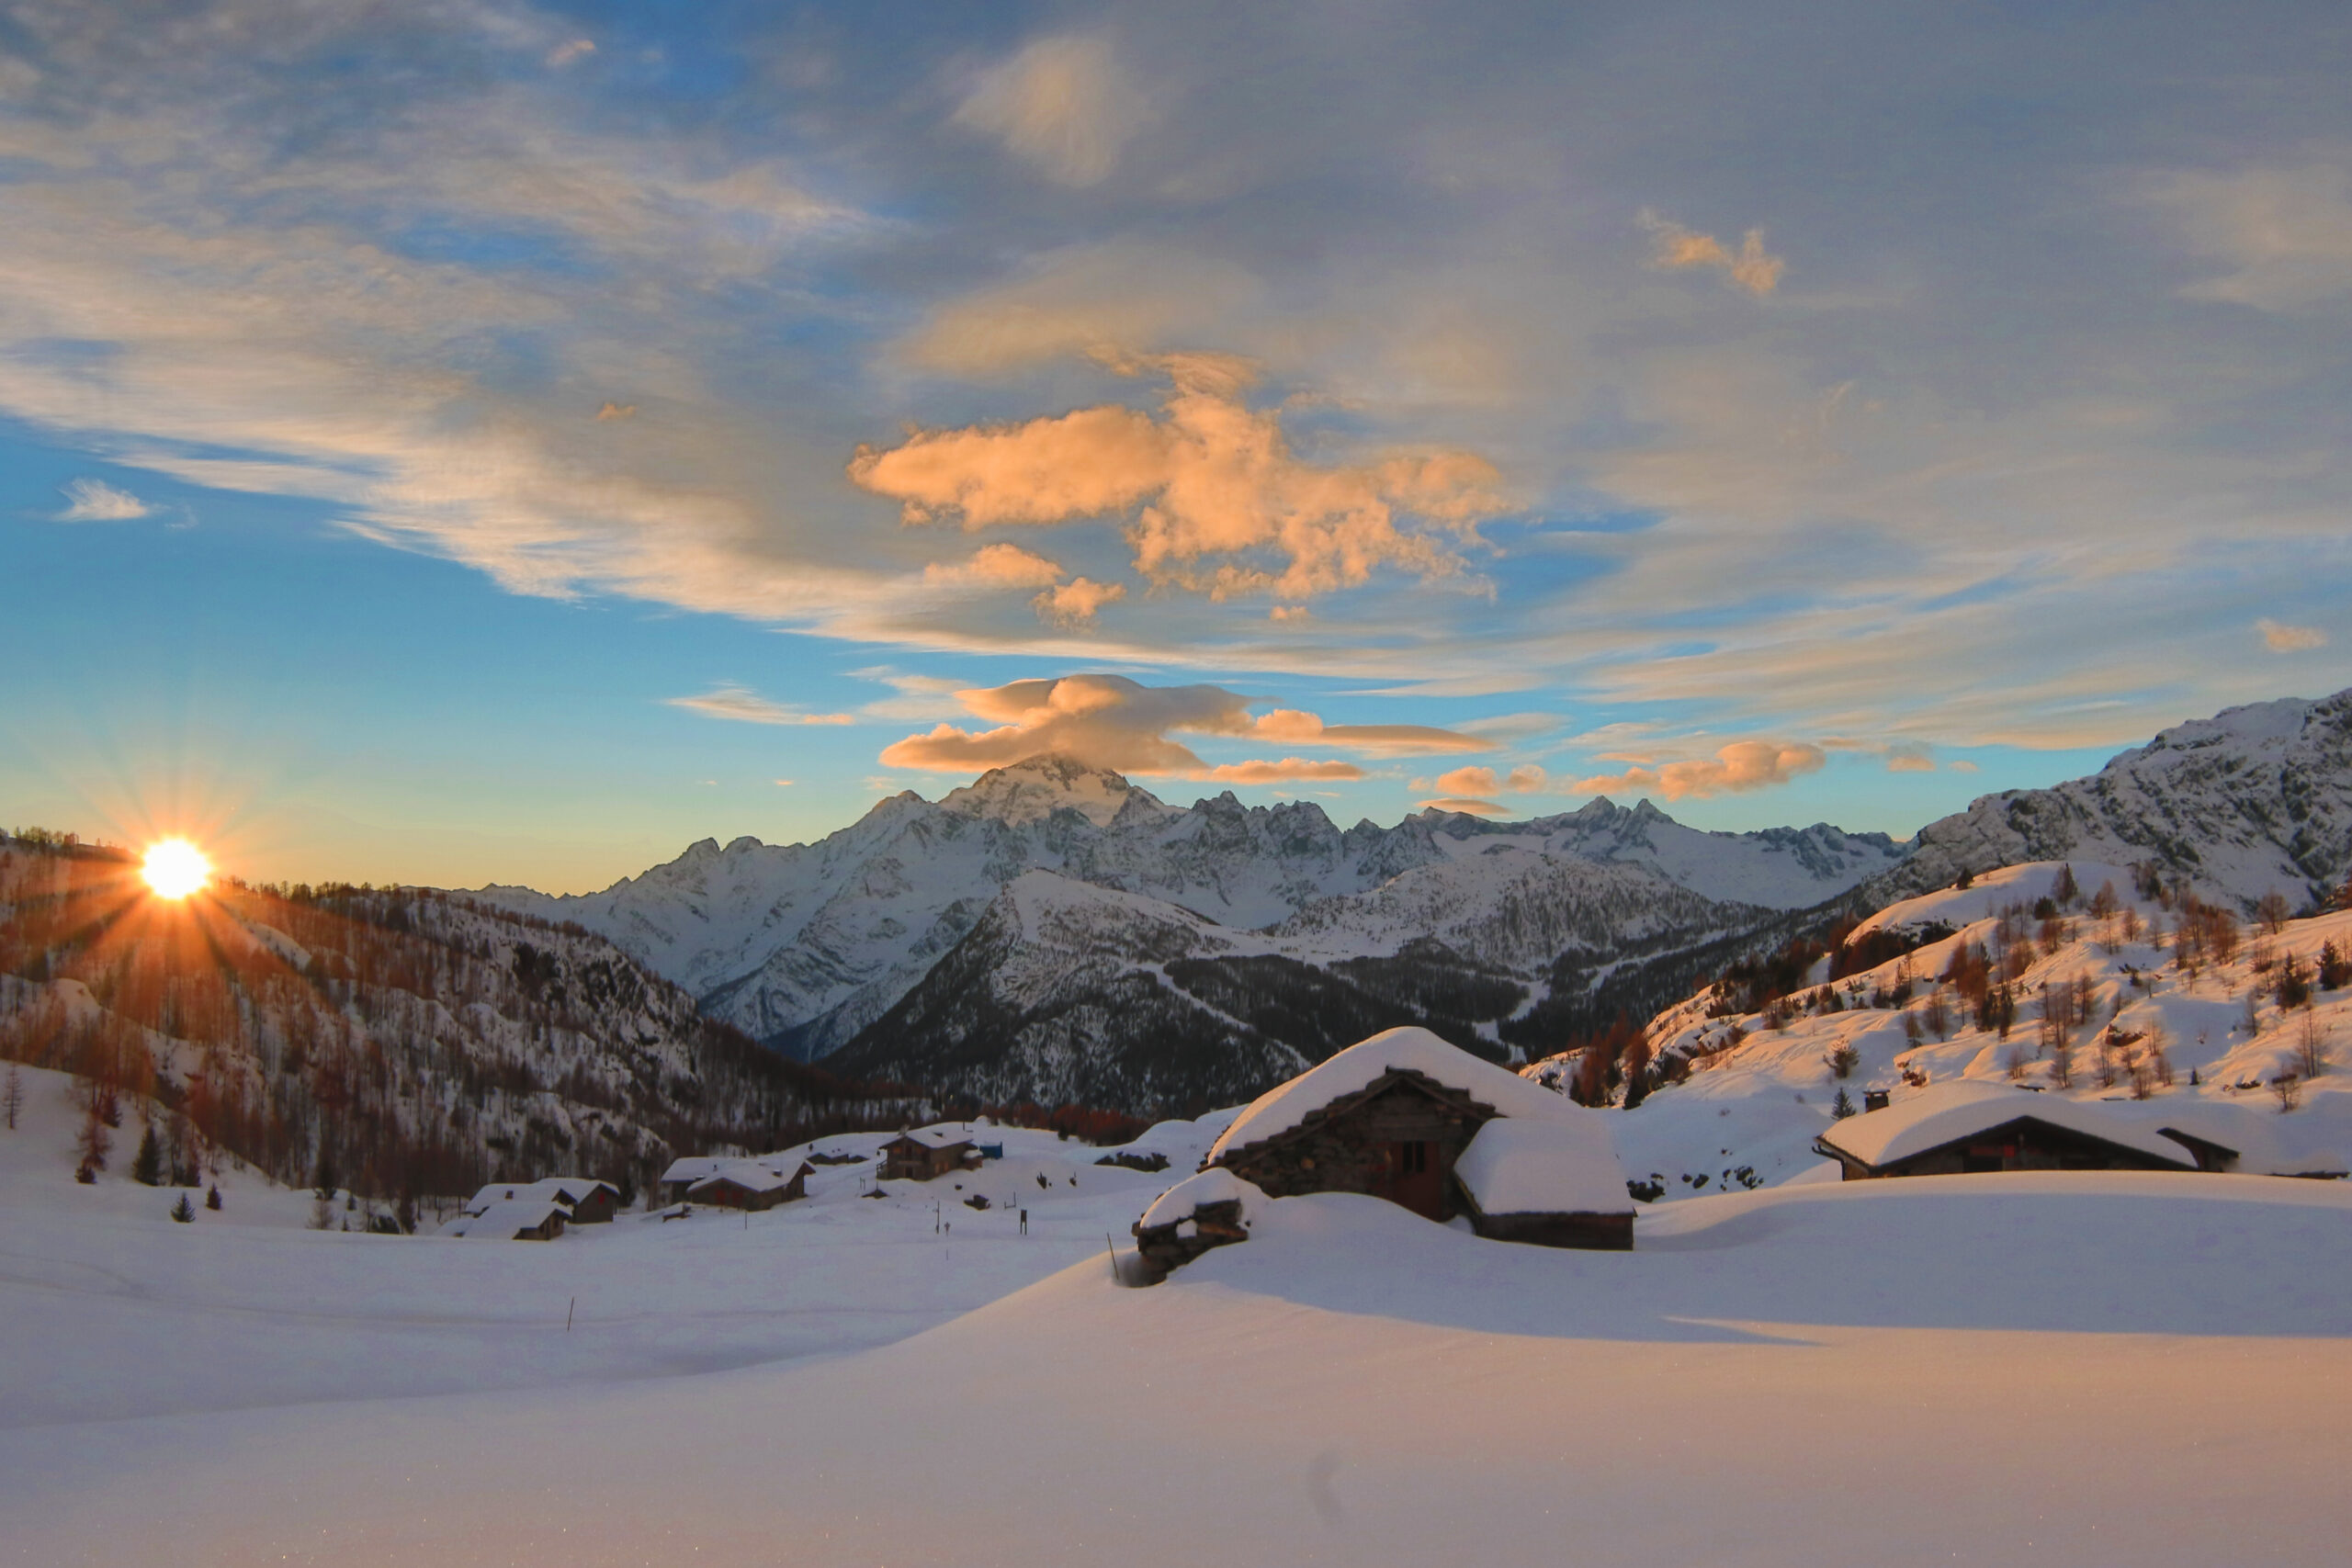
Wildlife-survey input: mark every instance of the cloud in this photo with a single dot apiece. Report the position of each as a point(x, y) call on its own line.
point(570, 51)
point(1110, 721)
point(2285, 233)
point(1909, 760)
point(1075, 601)
point(1063, 104)
point(1288, 770)
point(1212, 481)
point(996, 566)
point(1468, 806)
point(94, 501)
point(1740, 766)
point(1526, 779)
point(1289, 614)
point(2282, 639)
point(1963, 765)
point(1291, 726)
point(745, 706)
point(1675, 248)
point(1098, 299)
point(781, 783)
point(616, 411)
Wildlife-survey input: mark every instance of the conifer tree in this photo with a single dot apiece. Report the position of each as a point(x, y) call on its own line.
point(147, 1164)
point(12, 1096)
point(212, 1199)
point(183, 1211)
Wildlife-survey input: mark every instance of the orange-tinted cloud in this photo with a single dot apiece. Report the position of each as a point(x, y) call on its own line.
point(1111, 721)
point(1289, 769)
point(2281, 639)
point(1211, 494)
point(1526, 779)
point(1740, 766)
point(1675, 248)
point(1063, 104)
point(1468, 806)
point(996, 566)
point(1075, 601)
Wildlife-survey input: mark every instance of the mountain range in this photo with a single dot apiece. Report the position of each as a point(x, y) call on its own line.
point(1053, 931)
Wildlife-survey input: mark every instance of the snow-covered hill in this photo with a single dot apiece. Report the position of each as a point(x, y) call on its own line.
point(805, 945)
point(2166, 1011)
point(2253, 800)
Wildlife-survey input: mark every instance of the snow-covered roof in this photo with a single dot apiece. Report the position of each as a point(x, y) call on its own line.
point(1284, 1109)
point(942, 1137)
point(693, 1168)
point(1522, 1167)
point(1214, 1184)
point(1964, 1107)
point(506, 1219)
point(751, 1176)
point(566, 1190)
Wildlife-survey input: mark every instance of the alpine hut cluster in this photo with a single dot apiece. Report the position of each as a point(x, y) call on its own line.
point(1407, 1117)
point(1968, 1125)
point(534, 1211)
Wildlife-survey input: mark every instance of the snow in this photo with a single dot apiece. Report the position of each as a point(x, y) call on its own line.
point(567, 1190)
point(1942, 1112)
point(1410, 1048)
point(506, 1219)
point(945, 1135)
point(1553, 1167)
point(751, 1175)
point(2099, 1368)
point(1214, 1184)
point(1761, 1090)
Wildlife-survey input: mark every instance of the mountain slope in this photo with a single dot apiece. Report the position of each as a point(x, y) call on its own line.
point(1069, 991)
point(2252, 800)
point(421, 1043)
point(805, 946)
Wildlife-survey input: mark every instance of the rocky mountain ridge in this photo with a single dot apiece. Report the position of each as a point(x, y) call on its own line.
point(805, 946)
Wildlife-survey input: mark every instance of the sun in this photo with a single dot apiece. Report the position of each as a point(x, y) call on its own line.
point(176, 868)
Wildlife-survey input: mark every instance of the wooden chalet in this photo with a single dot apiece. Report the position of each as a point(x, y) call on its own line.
point(685, 1171)
point(1969, 1126)
point(925, 1153)
point(514, 1219)
point(1390, 1117)
point(746, 1184)
point(586, 1201)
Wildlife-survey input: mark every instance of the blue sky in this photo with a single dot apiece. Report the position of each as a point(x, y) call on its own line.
point(471, 442)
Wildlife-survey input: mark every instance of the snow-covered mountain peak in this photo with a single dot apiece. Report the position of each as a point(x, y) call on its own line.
point(1033, 789)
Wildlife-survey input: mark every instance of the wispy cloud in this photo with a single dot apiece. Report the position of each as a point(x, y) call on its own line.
point(1675, 248)
point(1063, 104)
point(94, 501)
point(742, 706)
point(2280, 637)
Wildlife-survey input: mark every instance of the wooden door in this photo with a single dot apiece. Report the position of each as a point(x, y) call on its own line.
point(1411, 1176)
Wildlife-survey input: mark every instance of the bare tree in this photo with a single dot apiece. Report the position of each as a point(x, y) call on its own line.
point(2310, 1048)
point(12, 1096)
point(2272, 911)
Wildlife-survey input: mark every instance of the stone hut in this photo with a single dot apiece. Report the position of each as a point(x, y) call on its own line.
point(1211, 1209)
point(512, 1219)
point(1968, 1125)
point(1545, 1182)
point(749, 1184)
point(927, 1153)
point(1390, 1116)
point(685, 1171)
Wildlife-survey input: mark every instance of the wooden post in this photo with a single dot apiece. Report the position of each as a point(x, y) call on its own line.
point(567, 1312)
point(1113, 1247)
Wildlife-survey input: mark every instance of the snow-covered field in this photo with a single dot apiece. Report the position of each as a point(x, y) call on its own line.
point(2069, 1369)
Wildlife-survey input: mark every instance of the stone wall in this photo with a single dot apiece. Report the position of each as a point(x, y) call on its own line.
point(1165, 1248)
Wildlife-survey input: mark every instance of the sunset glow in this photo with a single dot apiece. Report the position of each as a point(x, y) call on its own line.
point(176, 868)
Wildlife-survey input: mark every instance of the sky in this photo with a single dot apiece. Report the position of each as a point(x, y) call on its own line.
point(460, 442)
